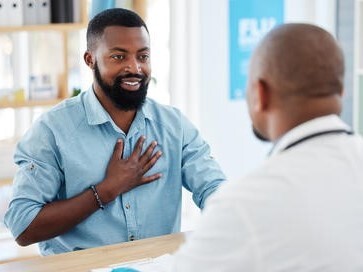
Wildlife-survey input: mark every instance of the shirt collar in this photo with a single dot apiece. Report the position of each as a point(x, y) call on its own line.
point(96, 113)
point(320, 124)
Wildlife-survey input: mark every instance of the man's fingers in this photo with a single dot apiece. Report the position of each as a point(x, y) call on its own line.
point(118, 149)
point(138, 147)
point(152, 161)
point(149, 151)
point(150, 178)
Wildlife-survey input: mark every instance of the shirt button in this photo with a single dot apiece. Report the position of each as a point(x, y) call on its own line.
point(127, 206)
point(132, 237)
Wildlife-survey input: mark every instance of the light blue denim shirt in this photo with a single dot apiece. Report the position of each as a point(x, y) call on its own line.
point(68, 149)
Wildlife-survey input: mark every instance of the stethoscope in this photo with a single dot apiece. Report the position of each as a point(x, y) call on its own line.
point(314, 135)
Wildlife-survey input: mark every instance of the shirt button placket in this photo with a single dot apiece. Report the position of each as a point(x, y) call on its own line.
point(129, 212)
point(130, 218)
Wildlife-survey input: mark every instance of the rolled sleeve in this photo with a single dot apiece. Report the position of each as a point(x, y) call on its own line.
point(37, 181)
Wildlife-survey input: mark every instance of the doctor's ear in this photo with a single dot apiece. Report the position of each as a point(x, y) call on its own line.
point(263, 95)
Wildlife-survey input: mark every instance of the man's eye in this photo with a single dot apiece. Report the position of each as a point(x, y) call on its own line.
point(118, 57)
point(144, 57)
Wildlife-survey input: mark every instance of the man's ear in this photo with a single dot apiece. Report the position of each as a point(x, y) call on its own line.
point(88, 59)
point(263, 95)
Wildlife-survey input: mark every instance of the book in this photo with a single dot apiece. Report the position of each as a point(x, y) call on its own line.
point(42, 87)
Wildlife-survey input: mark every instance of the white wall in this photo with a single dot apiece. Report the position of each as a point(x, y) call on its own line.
point(319, 12)
point(223, 122)
point(200, 77)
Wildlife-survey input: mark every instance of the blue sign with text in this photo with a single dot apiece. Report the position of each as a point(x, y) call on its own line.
point(249, 20)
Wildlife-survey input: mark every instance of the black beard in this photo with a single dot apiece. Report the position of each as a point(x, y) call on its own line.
point(259, 135)
point(123, 99)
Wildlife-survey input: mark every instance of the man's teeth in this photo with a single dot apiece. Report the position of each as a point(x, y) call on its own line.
point(131, 83)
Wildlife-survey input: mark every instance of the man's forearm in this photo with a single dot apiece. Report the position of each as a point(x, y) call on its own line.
point(58, 217)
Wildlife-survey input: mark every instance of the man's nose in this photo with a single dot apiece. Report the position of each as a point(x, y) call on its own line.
point(133, 66)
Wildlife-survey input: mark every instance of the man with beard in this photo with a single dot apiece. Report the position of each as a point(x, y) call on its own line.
point(303, 209)
point(109, 165)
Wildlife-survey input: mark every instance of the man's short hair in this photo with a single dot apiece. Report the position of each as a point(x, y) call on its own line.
point(111, 17)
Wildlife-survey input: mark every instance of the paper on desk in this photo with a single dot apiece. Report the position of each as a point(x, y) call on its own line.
point(159, 264)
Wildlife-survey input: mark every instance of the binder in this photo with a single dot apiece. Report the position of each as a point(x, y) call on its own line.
point(29, 12)
point(76, 11)
point(14, 11)
point(61, 11)
point(3, 13)
point(43, 12)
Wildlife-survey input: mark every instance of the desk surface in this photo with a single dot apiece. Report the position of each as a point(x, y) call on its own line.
point(85, 260)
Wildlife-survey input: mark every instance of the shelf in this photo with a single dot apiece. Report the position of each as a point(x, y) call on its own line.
point(30, 103)
point(48, 27)
point(53, 26)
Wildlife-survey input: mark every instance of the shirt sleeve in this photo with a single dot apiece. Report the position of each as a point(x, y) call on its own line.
point(223, 240)
point(37, 180)
point(201, 174)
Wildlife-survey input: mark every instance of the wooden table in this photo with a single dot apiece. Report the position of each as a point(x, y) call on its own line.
point(88, 259)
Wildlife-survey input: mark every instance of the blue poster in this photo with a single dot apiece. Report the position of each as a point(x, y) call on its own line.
point(249, 20)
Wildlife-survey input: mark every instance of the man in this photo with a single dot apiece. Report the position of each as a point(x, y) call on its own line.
point(302, 209)
point(108, 165)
